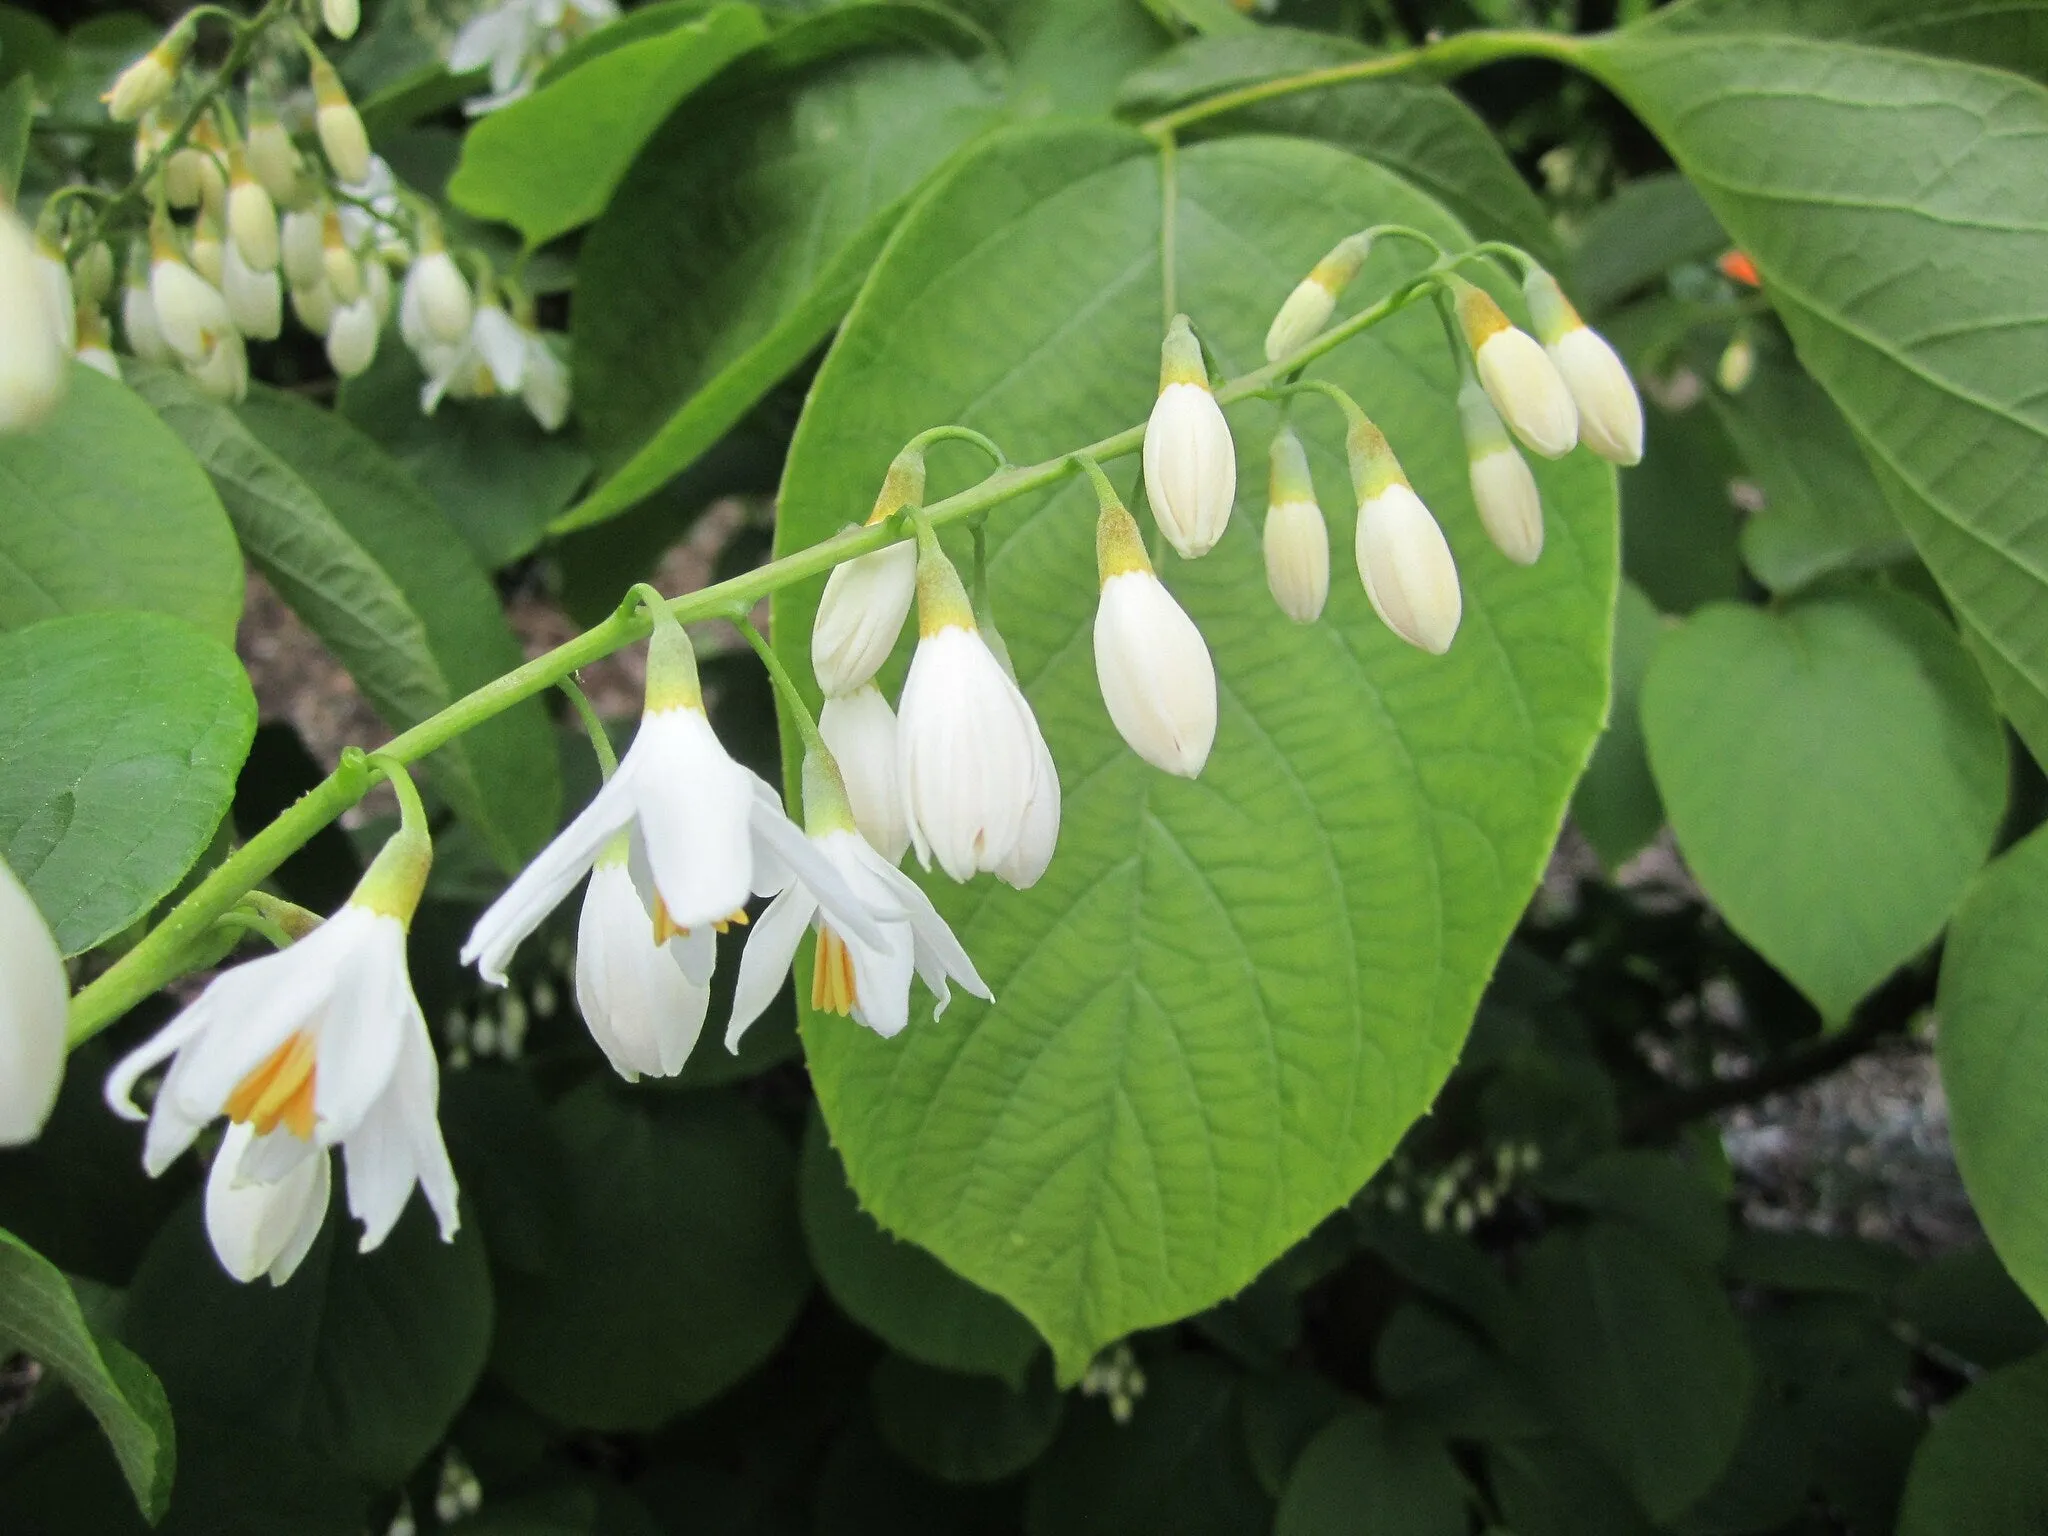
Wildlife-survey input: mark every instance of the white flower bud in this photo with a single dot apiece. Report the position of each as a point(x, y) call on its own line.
point(1407, 568)
point(439, 295)
point(146, 82)
point(377, 288)
point(92, 276)
point(337, 263)
point(867, 599)
point(252, 218)
point(342, 17)
point(190, 311)
point(255, 298)
point(313, 306)
point(272, 157)
point(95, 346)
point(352, 337)
point(209, 168)
point(181, 179)
point(1510, 507)
point(32, 367)
point(545, 389)
point(860, 728)
point(1314, 300)
point(1610, 413)
point(224, 372)
point(1519, 376)
point(1157, 680)
point(138, 314)
point(1190, 461)
point(1297, 540)
point(302, 246)
point(208, 246)
point(33, 1002)
point(342, 136)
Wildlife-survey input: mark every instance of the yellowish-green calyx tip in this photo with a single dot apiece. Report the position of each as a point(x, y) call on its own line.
point(1373, 465)
point(1550, 312)
point(826, 806)
point(392, 885)
point(1479, 315)
point(902, 486)
point(1180, 356)
point(615, 852)
point(1119, 546)
point(1485, 432)
point(671, 667)
point(941, 599)
point(1289, 479)
point(1340, 268)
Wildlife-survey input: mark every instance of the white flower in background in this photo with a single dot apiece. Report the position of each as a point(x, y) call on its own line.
point(1151, 662)
point(338, 263)
point(371, 218)
point(1040, 833)
point(145, 83)
point(1520, 379)
point(59, 302)
point(271, 154)
point(643, 992)
point(33, 370)
point(302, 247)
point(969, 749)
point(1610, 410)
point(545, 387)
point(95, 345)
point(1510, 507)
point(713, 832)
point(860, 728)
point(208, 248)
point(339, 126)
point(138, 313)
point(93, 275)
point(190, 312)
point(1308, 309)
point(437, 294)
point(342, 17)
point(874, 932)
point(1297, 539)
point(1190, 461)
point(867, 598)
point(224, 371)
point(314, 306)
point(316, 1046)
point(516, 39)
point(252, 216)
point(352, 336)
point(258, 1228)
point(33, 1005)
point(255, 298)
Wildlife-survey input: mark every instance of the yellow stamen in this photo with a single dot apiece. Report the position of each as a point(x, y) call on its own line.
point(737, 920)
point(665, 926)
point(832, 985)
point(279, 1090)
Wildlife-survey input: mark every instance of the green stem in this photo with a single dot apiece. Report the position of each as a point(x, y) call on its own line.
point(792, 696)
point(155, 959)
point(1447, 56)
point(249, 922)
point(600, 739)
point(952, 433)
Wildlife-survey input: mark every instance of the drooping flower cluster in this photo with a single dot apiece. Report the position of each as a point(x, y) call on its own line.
point(515, 40)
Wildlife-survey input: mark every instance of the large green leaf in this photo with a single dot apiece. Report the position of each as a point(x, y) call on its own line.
point(2006, 34)
point(1616, 804)
point(120, 738)
point(375, 570)
point(1642, 1355)
point(1361, 1473)
point(1983, 1468)
point(682, 1266)
point(1069, 55)
point(106, 510)
point(963, 1429)
point(736, 243)
point(551, 161)
point(1893, 206)
point(1633, 239)
point(1835, 774)
point(1994, 1056)
point(1227, 999)
point(40, 1315)
point(362, 1359)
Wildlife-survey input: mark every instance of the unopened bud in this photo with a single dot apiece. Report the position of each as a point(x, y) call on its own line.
point(224, 372)
point(1151, 662)
point(342, 17)
point(255, 298)
point(342, 136)
point(867, 598)
point(1609, 410)
point(1297, 540)
point(1510, 507)
point(33, 371)
point(252, 216)
point(352, 337)
point(270, 153)
point(209, 167)
point(138, 314)
point(1738, 364)
point(1520, 377)
point(146, 82)
point(53, 278)
point(302, 248)
point(1402, 558)
point(1190, 460)
point(189, 310)
point(337, 263)
point(208, 241)
point(860, 728)
point(1314, 300)
point(92, 275)
point(438, 295)
point(313, 306)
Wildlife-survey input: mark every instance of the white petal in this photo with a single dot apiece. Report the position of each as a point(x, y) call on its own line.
point(642, 1009)
point(860, 728)
point(966, 752)
point(939, 954)
point(693, 805)
point(419, 1091)
point(817, 872)
point(263, 1228)
point(1190, 468)
point(862, 612)
point(1157, 680)
point(771, 947)
point(361, 1037)
point(33, 1001)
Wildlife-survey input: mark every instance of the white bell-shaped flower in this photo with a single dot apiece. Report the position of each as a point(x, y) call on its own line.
point(1297, 538)
point(713, 832)
point(1190, 460)
point(261, 1228)
point(138, 313)
point(1610, 410)
point(314, 307)
point(224, 371)
point(33, 1000)
point(1407, 568)
point(968, 746)
point(860, 728)
point(255, 298)
point(1151, 662)
point(1314, 299)
point(316, 1046)
point(271, 154)
point(302, 247)
point(339, 126)
point(874, 932)
point(868, 597)
point(352, 336)
point(437, 293)
point(643, 992)
point(252, 217)
point(33, 368)
point(1518, 375)
point(190, 311)
point(545, 387)
point(147, 82)
point(1510, 506)
point(1040, 834)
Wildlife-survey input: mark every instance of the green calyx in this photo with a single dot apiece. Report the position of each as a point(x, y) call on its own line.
point(1288, 479)
point(826, 806)
point(902, 486)
point(671, 659)
point(1340, 268)
point(1550, 312)
point(1119, 545)
point(1373, 465)
point(941, 598)
point(392, 885)
point(1180, 356)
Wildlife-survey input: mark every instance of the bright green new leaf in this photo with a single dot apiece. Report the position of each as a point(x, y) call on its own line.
point(682, 1266)
point(105, 509)
point(374, 569)
point(692, 303)
point(1835, 774)
point(1984, 1465)
point(1894, 207)
point(1994, 1056)
point(1616, 804)
point(362, 1359)
point(39, 1315)
point(120, 738)
point(896, 1290)
point(549, 162)
point(963, 1429)
point(1226, 999)
point(1642, 1355)
point(1364, 1473)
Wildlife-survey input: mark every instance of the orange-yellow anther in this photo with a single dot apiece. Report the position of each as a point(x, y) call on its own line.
point(280, 1090)
point(832, 985)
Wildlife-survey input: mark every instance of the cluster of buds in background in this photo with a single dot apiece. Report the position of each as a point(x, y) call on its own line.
point(255, 194)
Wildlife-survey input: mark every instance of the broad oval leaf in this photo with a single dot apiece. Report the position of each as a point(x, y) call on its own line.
point(963, 1429)
point(120, 738)
point(1994, 1055)
point(1894, 208)
point(1616, 803)
point(363, 1359)
point(1362, 1473)
point(2006, 34)
point(1983, 1468)
point(550, 161)
point(106, 510)
point(1227, 999)
point(1834, 773)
